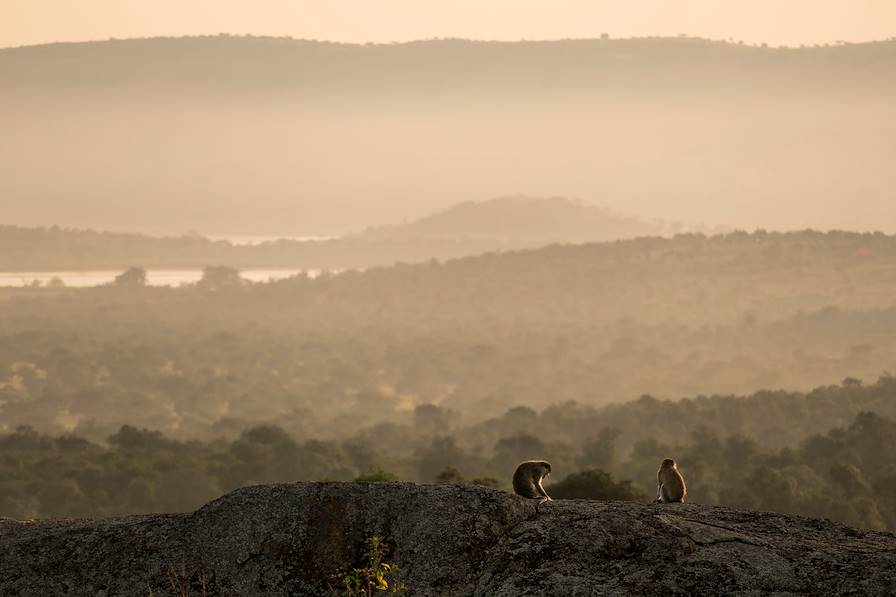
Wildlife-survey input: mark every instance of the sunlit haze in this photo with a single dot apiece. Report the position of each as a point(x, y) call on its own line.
point(791, 22)
point(248, 247)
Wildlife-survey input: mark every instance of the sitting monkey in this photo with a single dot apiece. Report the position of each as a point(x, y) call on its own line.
point(670, 485)
point(527, 480)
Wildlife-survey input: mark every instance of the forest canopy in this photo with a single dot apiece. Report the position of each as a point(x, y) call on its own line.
point(593, 324)
point(846, 474)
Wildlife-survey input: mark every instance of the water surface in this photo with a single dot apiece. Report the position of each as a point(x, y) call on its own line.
point(154, 277)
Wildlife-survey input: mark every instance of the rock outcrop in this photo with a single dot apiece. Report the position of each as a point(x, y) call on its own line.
point(448, 540)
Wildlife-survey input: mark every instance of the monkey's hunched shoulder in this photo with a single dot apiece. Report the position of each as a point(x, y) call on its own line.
point(528, 477)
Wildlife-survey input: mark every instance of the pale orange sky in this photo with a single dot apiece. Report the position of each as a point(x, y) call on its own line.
point(787, 22)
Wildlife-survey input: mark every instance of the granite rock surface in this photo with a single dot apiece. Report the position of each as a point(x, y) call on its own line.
point(297, 539)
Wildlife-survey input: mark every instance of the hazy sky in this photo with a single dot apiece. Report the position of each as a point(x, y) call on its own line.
point(791, 22)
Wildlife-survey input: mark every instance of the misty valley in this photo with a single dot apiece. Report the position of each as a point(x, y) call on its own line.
point(763, 350)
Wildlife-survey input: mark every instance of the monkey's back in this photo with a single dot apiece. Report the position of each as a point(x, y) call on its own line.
point(673, 487)
point(524, 482)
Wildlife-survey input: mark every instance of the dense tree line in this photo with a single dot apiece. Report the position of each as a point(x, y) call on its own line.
point(847, 474)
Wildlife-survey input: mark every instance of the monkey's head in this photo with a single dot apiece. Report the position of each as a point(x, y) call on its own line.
point(545, 468)
point(668, 463)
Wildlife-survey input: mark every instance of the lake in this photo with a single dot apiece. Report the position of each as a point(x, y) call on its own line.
point(154, 277)
point(252, 240)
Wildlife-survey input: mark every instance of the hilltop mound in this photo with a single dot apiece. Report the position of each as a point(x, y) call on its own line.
point(448, 540)
point(521, 218)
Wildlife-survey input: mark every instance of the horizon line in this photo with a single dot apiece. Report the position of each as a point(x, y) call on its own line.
point(682, 36)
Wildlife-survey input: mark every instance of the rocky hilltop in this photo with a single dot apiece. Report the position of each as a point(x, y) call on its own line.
point(448, 540)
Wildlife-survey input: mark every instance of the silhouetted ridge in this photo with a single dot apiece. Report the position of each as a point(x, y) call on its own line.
point(521, 218)
point(253, 64)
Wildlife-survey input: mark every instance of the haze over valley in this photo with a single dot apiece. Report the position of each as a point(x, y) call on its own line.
point(263, 259)
point(246, 135)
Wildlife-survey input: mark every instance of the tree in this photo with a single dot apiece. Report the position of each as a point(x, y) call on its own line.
point(377, 475)
point(63, 497)
point(450, 476)
point(601, 451)
point(510, 451)
point(129, 439)
point(220, 278)
point(595, 484)
point(267, 454)
point(133, 277)
point(186, 486)
point(430, 416)
point(443, 453)
point(849, 480)
point(644, 460)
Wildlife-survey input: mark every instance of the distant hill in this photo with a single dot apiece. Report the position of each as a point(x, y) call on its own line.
point(266, 136)
point(468, 228)
point(252, 66)
point(522, 219)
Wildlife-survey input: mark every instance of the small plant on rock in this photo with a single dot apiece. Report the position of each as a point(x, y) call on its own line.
point(377, 475)
point(377, 576)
